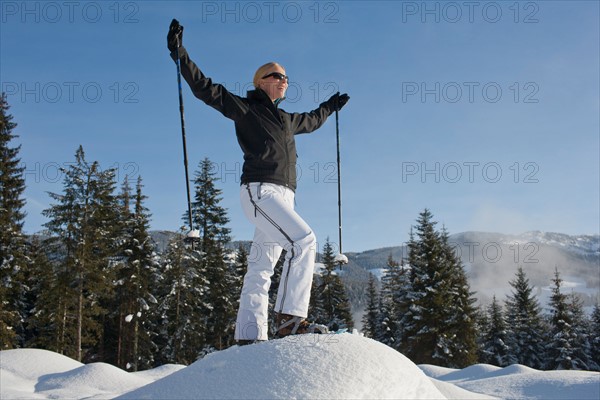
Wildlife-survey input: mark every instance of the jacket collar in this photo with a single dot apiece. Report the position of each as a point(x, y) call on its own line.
point(261, 96)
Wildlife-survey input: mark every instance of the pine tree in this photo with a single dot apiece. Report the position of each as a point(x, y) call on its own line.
point(134, 296)
point(420, 322)
point(439, 325)
point(239, 268)
point(316, 311)
point(13, 260)
point(207, 214)
point(594, 335)
point(581, 340)
point(333, 294)
point(560, 347)
point(400, 288)
point(460, 327)
point(526, 329)
point(38, 277)
point(82, 222)
point(369, 320)
point(182, 306)
point(482, 323)
point(46, 283)
point(387, 328)
point(220, 316)
point(211, 219)
point(495, 351)
point(568, 347)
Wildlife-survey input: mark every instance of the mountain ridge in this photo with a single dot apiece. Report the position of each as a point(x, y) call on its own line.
point(491, 261)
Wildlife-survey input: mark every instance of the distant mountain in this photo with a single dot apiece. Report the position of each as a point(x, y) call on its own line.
point(492, 259)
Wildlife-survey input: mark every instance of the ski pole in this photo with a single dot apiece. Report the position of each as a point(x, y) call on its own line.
point(340, 258)
point(339, 176)
point(185, 160)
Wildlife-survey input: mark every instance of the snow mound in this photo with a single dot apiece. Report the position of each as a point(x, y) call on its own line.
point(30, 364)
point(13, 386)
point(159, 372)
point(474, 372)
point(543, 385)
point(89, 380)
point(304, 366)
point(515, 369)
point(435, 371)
point(21, 368)
point(518, 382)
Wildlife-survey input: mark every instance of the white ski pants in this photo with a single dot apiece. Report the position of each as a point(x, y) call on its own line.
point(270, 208)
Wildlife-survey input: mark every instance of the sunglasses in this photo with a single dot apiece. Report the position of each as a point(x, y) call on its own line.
point(277, 75)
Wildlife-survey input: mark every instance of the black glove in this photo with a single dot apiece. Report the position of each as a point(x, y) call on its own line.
point(337, 101)
point(175, 36)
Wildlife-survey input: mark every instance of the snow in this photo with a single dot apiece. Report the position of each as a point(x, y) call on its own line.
point(520, 382)
point(305, 366)
point(93, 380)
point(193, 234)
point(320, 269)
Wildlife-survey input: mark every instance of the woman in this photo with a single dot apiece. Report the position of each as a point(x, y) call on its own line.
point(265, 134)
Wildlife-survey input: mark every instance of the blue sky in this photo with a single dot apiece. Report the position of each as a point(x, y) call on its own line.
point(487, 113)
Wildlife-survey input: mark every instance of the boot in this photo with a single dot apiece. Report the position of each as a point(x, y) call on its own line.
point(292, 325)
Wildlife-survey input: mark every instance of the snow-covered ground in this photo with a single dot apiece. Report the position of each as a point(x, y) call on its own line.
point(306, 366)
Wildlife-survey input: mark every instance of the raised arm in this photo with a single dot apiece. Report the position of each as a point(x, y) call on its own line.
point(311, 121)
point(214, 95)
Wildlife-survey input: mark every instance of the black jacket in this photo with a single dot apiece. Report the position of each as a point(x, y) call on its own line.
point(265, 133)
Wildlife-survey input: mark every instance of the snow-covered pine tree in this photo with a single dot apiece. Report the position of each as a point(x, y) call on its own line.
point(387, 324)
point(135, 268)
point(333, 293)
point(439, 325)
point(371, 315)
point(48, 319)
point(559, 349)
point(494, 348)
point(39, 275)
point(420, 321)
point(402, 295)
point(581, 343)
point(239, 268)
point(211, 219)
point(526, 330)
point(460, 328)
point(568, 347)
point(482, 323)
point(13, 259)
point(594, 335)
point(208, 215)
point(241, 263)
point(82, 223)
point(316, 312)
point(182, 307)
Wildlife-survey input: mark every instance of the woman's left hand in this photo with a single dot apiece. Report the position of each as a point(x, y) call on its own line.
point(337, 101)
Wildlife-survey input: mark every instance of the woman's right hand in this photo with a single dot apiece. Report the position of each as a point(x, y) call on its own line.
point(175, 36)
